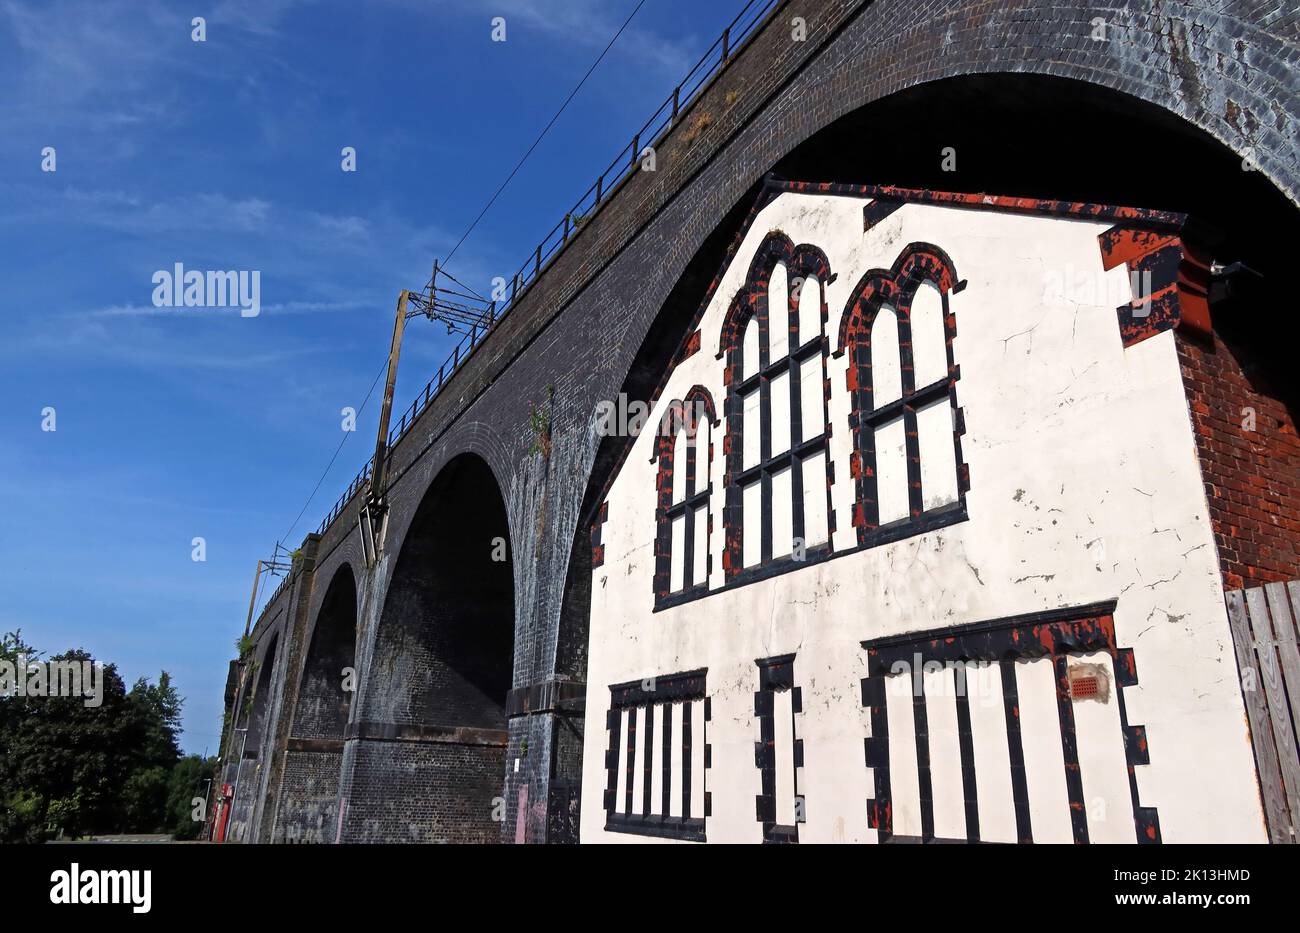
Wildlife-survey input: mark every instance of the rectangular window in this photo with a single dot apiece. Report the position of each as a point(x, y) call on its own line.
point(773, 472)
point(778, 754)
point(752, 546)
point(934, 434)
point(782, 513)
point(982, 744)
point(891, 471)
point(812, 405)
point(678, 553)
point(658, 757)
point(780, 388)
point(815, 529)
point(700, 553)
point(783, 736)
point(752, 429)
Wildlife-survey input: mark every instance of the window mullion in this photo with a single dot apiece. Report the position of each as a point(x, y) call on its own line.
point(913, 447)
point(765, 471)
point(796, 463)
point(688, 531)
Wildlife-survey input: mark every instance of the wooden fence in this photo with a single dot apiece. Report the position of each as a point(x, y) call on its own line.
point(1264, 633)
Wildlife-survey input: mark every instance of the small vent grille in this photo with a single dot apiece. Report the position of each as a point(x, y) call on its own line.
point(1084, 686)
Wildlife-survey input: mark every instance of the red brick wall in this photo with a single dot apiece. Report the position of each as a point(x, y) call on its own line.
point(1252, 478)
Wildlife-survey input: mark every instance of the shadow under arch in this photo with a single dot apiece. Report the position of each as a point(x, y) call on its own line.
point(1041, 136)
point(430, 753)
point(252, 722)
point(307, 811)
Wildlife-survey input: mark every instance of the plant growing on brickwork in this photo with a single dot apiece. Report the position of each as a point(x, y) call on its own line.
point(247, 706)
point(244, 645)
point(539, 422)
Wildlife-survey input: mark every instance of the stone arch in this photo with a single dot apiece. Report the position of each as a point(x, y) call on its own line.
point(429, 754)
point(259, 713)
point(314, 756)
point(1221, 68)
point(253, 725)
point(325, 692)
point(1043, 135)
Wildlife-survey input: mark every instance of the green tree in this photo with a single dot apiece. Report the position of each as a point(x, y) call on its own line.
point(192, 777)
point(70, 768)
point(158, 708)
point(64, 761)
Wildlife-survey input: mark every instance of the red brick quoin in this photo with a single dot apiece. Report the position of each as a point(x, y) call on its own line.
point(1252, 478)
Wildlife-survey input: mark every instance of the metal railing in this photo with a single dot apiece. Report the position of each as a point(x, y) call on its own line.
point(741, 29)
point(288, 574)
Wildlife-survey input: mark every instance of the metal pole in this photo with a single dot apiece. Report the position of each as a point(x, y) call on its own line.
point(252, 600)
point(385, 413)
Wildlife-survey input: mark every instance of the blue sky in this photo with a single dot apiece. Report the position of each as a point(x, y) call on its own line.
point(177, 423)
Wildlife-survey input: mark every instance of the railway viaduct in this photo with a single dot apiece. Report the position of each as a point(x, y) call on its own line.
point(465, 723)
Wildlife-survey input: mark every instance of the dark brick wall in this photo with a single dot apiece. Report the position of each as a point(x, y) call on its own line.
point(308, 810)
point(421, 792)
point(582, 330)
point(309, 780)
point(1252, 477)
point(245, 777)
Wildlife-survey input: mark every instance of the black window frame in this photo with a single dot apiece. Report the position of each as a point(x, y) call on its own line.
point(696, 410)
point(918, 264)
point(750, 307)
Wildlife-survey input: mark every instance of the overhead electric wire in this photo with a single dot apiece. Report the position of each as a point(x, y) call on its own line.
point(346, 434)
point(546, 130)
point(474, 295)
point(461, 284)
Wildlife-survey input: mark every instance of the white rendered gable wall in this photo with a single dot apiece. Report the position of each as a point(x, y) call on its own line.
point(1084, 487)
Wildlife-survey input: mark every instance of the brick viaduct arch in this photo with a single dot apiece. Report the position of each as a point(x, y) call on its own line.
point(252, 735)
point(433, 726)
point(308, 799)
point(606, 318)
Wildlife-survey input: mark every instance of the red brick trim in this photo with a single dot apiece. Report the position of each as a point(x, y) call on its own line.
point(681, 415)
point(1177, 275)
point(690, 348)
point(597, 527)
point(916, 264)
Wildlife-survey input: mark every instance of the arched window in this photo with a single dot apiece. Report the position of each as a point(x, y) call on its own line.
point(778, 474)
point(684, 449)
point(898, 330)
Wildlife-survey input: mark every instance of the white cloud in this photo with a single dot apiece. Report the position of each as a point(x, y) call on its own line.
point(591, 24)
